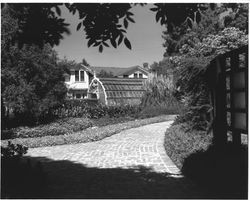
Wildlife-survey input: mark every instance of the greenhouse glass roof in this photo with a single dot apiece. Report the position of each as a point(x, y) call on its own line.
point(117, 88)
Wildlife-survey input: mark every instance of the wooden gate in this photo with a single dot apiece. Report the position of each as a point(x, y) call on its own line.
point(228, 80)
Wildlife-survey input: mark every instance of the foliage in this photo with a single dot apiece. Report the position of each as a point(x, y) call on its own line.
point(228, 39)
point(75, 108)
point(105, 74)
point(32, 83)
point(158, 90)
point(164, 67)
point(9, 27)
point(20, 179)
point(104, 24)
point(89, 135)
point(190, 71)
point(37, 23)
point(154, 111)
point(13, 150)
point(59, 127)
point(180, 143)
point(84, 62)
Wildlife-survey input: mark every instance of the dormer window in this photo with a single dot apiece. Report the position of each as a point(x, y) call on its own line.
point(79, 76)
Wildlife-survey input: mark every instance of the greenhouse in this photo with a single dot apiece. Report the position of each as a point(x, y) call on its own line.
point(116, 91)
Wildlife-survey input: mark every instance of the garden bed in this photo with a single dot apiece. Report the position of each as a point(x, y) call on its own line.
point(180, 143)
point(88, 135)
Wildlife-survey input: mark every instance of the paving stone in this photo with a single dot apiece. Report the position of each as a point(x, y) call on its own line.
point(138, 146)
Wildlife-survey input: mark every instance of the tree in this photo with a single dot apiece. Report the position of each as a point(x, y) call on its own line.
point(203, 22)
point(32, 83)
point(84, 62)
point(104, 24)
point(105, 74)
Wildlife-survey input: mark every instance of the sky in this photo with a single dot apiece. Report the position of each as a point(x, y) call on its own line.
point(145, 36)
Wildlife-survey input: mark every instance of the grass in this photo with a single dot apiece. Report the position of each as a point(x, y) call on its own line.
point(88, 135)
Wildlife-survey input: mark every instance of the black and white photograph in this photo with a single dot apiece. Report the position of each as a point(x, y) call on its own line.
point(124, 100)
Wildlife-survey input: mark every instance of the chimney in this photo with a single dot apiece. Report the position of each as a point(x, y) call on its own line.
point(145, 65)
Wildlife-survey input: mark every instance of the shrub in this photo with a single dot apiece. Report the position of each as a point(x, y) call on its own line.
point(152, 111)
point(13, 150)
point(20, 179)
point(77, 108)
point(180, 143)
point(60, 127)
point(158, 91)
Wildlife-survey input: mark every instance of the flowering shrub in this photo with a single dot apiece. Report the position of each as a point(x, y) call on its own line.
point(228, 39)
point(191, 66)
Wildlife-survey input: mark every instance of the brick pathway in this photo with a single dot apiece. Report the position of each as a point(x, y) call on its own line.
point(133, 147)
point(113, 159)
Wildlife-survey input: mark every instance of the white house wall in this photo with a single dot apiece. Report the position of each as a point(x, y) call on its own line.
point(79, 84)
point(137, 72)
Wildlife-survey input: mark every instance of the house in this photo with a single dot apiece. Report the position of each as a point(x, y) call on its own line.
point(81, 76)
point(116, 91)
point(78, 81)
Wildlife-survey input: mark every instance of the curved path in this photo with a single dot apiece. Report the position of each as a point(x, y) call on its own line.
point(130, 164)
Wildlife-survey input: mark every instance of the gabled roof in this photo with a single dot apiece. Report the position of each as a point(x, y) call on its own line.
point(117, 71)
point(80, 66)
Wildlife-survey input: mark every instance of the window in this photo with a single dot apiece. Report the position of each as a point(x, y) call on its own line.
point(140, 75)
point(77, 75)
point(78, 95)
point(125, 76)
point(82, 76)
point(135, 75)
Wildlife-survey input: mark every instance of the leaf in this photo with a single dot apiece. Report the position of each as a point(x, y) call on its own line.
point(154, 9)
point(100, 48)
point(105, 44)
point(112, 41)
point(158, 15)
point(127, 43)
point(96, 44)
point(131, 19)
point(162, 21)
point(58, 11)
point(120, 39)
point(125, 22)
point(78, 26)
point(129, 13)
point(90, 42)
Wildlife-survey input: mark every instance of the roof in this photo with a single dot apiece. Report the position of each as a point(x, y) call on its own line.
point(117, 71)
point(79, 66)
point(116, 88)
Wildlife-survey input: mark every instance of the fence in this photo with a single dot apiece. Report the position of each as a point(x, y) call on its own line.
point(228, 81)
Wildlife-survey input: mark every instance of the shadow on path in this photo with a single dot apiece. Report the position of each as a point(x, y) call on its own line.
point(66, 179)
point(223, 173)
